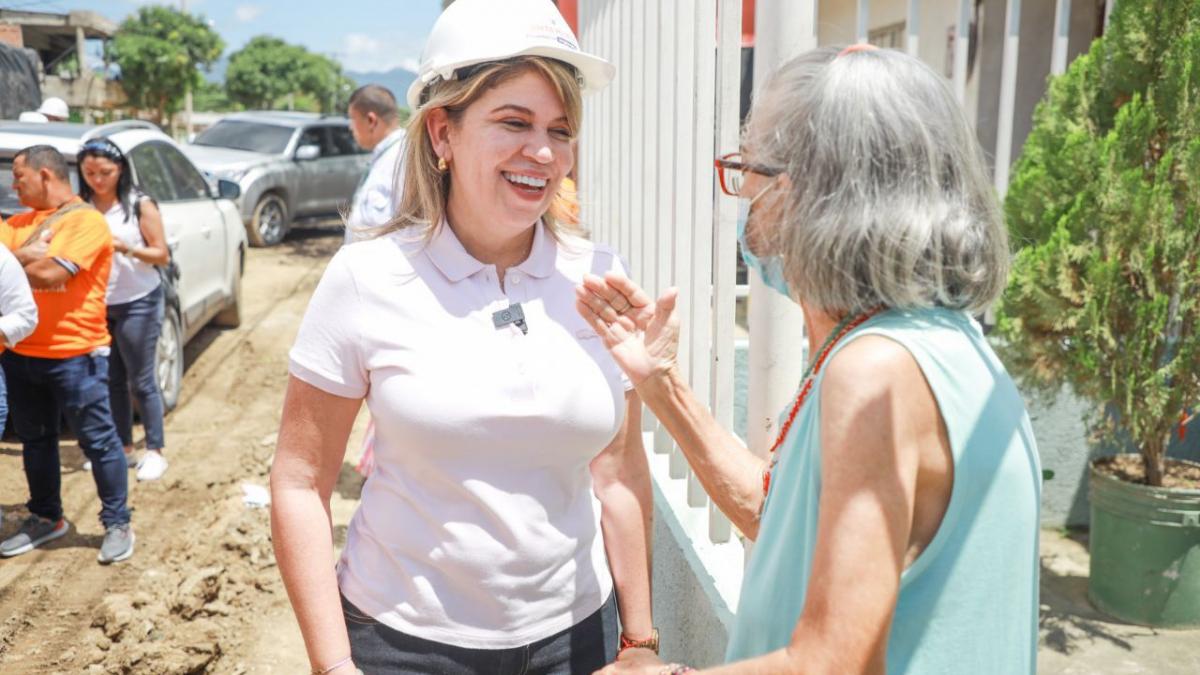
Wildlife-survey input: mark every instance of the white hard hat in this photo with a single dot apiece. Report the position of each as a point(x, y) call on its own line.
point(54, 107)
point(471, 32)
point(32, 116)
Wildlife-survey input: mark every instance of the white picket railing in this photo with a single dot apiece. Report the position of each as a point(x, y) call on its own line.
point(648, 187)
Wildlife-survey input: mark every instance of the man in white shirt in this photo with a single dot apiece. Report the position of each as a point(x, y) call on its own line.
point(18, 313)
point(375, 123)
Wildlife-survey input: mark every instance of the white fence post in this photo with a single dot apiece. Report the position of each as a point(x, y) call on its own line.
point(724, 265)
point(913, 29)
point(862, 22)
point(785, 28)
point(1062, 34)
point(1008, 95)
point(962, 36)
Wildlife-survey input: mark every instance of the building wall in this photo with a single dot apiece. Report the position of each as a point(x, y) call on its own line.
point(836, 21)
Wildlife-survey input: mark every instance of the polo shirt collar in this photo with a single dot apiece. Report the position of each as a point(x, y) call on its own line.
point(542, 255)
point(449, 256)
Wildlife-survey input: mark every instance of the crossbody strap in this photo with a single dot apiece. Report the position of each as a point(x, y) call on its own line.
point(58, 215)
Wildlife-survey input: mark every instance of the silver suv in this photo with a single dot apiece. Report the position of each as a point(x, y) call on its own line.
point(289, 165)
point(203, 228)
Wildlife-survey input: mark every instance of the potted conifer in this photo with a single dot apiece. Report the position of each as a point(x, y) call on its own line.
point(1104, 210)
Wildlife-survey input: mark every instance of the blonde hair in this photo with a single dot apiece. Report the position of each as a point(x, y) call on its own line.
point(426, 188)
point(890, 202)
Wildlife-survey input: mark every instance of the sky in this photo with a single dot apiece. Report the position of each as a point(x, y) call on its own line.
point(365, 35)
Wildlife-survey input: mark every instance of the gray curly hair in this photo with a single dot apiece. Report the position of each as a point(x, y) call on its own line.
point(890, 203)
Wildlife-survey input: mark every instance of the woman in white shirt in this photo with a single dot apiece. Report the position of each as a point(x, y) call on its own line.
point(511, 494)
point(135, 295)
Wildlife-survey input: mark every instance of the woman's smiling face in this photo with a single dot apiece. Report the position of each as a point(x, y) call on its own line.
point(508, 152)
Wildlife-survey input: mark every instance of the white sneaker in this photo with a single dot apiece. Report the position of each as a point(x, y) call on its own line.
point(152, 466)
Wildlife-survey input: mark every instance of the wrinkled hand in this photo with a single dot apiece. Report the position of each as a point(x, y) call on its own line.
point(643, 337)
point(634, 661)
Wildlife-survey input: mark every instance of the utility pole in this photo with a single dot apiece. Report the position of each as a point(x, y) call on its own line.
point(187, 92)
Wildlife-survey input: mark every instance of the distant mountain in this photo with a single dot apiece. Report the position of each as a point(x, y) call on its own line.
point(397, 80)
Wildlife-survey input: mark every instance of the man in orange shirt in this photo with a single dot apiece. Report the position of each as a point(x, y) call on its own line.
point(65, 248)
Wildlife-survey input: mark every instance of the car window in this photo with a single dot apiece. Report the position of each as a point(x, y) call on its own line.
point(9, 203)
point(189, 183)
point(343, 141)
point(313, 136)
point(243, 135)
point(152, 176)
point(327, 147)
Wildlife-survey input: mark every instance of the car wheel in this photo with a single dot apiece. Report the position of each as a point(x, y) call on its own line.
point(231, 315)
point(168, 359)
point(269, 224)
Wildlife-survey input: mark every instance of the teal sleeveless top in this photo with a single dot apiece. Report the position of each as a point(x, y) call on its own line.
point(969, 603)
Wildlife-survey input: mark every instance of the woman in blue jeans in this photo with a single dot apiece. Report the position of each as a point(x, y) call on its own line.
point(135, 295)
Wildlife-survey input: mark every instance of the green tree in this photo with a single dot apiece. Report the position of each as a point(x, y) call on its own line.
point(263, 71)
point(210, 96)
point(268, 69)
point(160, 51)
point(322, 78)
point(1105, 205)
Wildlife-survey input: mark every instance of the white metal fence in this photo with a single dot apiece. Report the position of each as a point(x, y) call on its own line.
point(648, 186)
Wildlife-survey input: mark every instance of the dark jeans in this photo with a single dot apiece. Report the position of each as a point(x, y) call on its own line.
point(583, 648)
point(43, 390)
point(135, 327)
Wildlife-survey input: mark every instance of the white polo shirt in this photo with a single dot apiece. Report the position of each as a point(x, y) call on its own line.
point(479, 526)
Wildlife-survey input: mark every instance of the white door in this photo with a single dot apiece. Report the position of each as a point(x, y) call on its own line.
point(192, 192)
point(187, 236)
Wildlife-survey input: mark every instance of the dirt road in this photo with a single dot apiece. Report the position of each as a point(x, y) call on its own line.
point(202, 593)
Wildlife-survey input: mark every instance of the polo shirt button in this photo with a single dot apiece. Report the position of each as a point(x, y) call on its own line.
point(516, 279)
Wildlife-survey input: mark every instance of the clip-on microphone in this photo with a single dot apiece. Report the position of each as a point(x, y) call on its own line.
point(514, 315)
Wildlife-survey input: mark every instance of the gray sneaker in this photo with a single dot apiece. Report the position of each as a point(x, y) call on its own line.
point(117, 545)
point(34, 532)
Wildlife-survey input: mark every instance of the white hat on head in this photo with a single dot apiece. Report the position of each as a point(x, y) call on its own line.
point(54, 107)
point(470, 32)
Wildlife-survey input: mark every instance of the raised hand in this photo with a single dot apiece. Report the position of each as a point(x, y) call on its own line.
point(642, 336)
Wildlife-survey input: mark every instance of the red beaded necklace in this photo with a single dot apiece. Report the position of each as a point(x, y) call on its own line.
point(806, 384)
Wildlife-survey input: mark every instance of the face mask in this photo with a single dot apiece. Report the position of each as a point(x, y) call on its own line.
point(769, 269)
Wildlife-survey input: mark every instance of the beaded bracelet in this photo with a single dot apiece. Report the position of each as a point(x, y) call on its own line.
point(676, 669)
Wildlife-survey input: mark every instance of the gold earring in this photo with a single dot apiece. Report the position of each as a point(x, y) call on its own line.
point(442, 165)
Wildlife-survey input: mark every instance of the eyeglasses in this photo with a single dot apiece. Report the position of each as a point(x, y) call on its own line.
point(731, 171)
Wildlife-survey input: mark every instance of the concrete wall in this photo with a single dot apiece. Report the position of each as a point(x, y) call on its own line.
point(693, 627)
